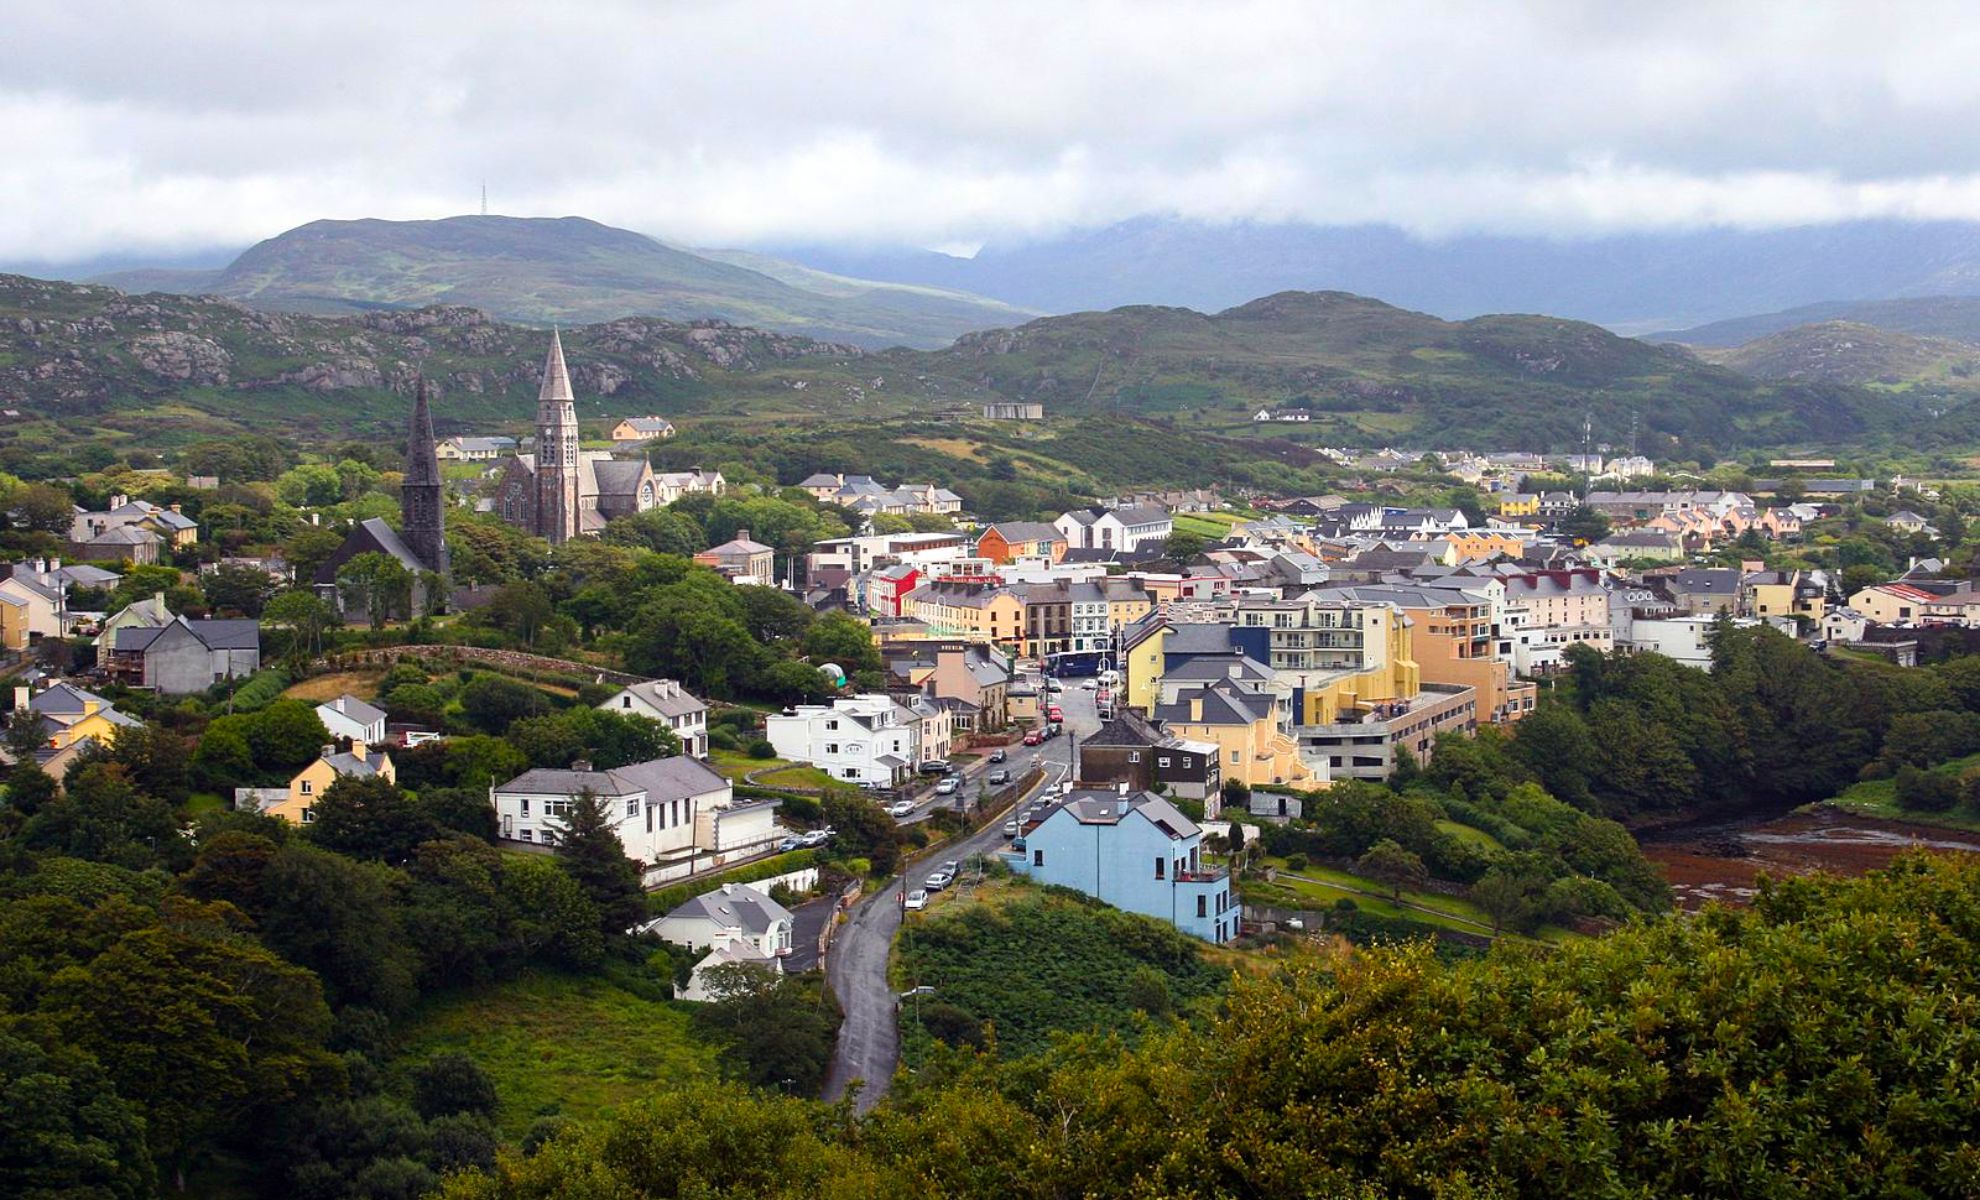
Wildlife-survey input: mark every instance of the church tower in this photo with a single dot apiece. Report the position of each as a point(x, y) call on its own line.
point(421, 501)
point(556, 451)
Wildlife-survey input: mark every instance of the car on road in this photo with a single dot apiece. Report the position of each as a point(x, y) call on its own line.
point(789, 844)
point(1034, 737)
point(1053, 685)
point(938, 881)
point(998, 756)
point(900, 808)
point(916, 900)
point(1089, 685)
point(817, 837)
point(950, 868)
point(1055, 713)
point(948, 786)
point(935, 766)
point(1000, 777)
point(1010, 829)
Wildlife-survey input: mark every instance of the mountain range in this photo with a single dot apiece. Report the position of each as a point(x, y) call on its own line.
point(567, 270)
point(1367, 372)
point(1632, 283)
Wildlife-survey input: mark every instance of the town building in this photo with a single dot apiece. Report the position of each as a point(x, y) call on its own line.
point(1125, 529)
point(674, 816)
point(736, 924)
point(1129, 749)
point(297, 802)
point(420, 544)
point(137, 530)
point(643, 429)
point(743, 560)
point(348, 718)
point(867, 739)
point(473, 449)
point(666, 701)
point(1135, 851)
point(1013, 411)
point(182, 657)
point(1008, 541)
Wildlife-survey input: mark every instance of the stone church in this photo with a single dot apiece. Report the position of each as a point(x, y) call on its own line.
point(562, 491)
point(420, 544)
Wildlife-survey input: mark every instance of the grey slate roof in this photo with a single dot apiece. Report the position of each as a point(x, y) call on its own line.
point(354, 708)
point(736, 905)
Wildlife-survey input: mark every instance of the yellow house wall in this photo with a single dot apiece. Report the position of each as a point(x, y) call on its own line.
point(1143, 672)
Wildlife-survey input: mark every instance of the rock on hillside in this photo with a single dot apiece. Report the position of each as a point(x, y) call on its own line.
point(80, 346)
point(1852, 353)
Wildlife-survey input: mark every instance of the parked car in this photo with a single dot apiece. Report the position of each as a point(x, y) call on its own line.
point(1055, 713)
point(938, 881)
point(1053, 685)
point(1000, 777)
point(789, 844)
point(1089, 685)
point(916, 900)
point(900, 808)
point(817, 837)
point(998, 756)
point(1010, 829)
point(948, 786)
point(1034, 737)
point(935, 766)
point(951, 867)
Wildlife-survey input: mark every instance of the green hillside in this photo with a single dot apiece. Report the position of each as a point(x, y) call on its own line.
point(1853, 353)
point(1368, 369)
point(570, 270)
point(1955, 317)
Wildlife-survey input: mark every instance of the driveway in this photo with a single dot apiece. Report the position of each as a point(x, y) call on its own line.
point(869, 1046)
point(807, 926)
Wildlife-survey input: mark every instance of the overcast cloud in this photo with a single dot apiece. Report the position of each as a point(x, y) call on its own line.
point(162, 127)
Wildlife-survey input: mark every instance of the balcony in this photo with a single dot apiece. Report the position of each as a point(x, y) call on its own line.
point(1213, 875)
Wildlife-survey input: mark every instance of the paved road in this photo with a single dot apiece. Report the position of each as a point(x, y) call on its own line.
point(869, 1046)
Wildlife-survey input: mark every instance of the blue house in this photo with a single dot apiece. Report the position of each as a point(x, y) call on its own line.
point(1135, 851)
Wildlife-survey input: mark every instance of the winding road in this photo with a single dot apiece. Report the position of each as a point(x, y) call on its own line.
point(869, 1048)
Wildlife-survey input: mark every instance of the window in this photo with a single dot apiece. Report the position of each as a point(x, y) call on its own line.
point(1134, 756)
point(307, 787)
point(1037, 858)
point(632, 807)
point(549, 838)
point(525, 806)
point(1161, 866)
point(1235, 756)
point(526, 835)
point(309, 815)
point(625, 702)
point(1202, 906)
point(556, 808)
point(1162, 761)
point(831, 747)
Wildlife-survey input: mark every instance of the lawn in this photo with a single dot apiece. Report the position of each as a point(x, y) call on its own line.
point(1470, 833)
point(574, 1046)
point(777, 772)
point(1325, 885)
point(1202, 526)
point(1878, 798)
point(318, 688)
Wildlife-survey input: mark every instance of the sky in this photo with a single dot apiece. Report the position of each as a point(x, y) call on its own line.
point(144, 128)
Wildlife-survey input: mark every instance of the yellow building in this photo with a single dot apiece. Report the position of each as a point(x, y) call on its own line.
point(1141, 665)
point(309, 784)
point(1127, 603)
point(14, 613)
point(1517, 504)
point(1246, 727)
point(971, 612)
point(1474, 545)
point(1890, 603)
point(1783, 594)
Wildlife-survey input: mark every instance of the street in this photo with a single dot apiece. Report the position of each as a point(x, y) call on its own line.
point(869, 1038)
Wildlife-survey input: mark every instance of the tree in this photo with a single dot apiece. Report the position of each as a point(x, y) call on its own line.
point(64, 1129)
point(1391, 864)
point(339, 918)
point(779, 1030)
point(451, 1083)
point(304, 615)
point(378, 585)
point(100, 816)
point(842, 639)
point(1148, 991)
point(1583, 524)
point(589, 849)
point(520, 610)
point(286, 735)
point(369, 817)
point(238, 589)
point(1925, 791)
point(494, 703)
point(1505, 898)
point(1184, 548)
point(43, 508)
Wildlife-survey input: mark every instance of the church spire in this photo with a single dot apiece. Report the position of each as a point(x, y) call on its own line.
point(422, 515)
point(556, 379)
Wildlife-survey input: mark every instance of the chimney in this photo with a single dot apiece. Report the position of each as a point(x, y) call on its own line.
point(581, 764)
point(339, 702)
point(118, 501)
point(174, 506)
point(742, 535)
point(358, 748)
point(328, 751)
point(54, 564)
point(1195, 708)
point(41, 567)
point(22, 697)
point(1123, 786)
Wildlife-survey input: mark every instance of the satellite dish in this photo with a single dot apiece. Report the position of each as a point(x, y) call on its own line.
point(835, 673)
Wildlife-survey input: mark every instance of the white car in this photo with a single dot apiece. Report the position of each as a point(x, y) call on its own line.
point(916, 900)
point(947, 787)
point(938, 881)
point(900, 808)
point(1010, 829)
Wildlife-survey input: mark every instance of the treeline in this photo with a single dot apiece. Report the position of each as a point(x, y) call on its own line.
point(1809, 1044)
point(1773, 725)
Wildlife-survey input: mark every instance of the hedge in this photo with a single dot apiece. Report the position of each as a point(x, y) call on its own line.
point(261, 689)
point(668, 899)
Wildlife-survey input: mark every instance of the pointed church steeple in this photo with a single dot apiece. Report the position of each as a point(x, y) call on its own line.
point(556, 387)
point(422, 507)
point(557, 488)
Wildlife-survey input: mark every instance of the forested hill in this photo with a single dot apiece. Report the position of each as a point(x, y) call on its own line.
point(1365, 365)
point(1369, 372)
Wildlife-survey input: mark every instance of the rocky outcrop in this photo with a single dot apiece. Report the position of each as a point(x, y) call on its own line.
point(185, 357)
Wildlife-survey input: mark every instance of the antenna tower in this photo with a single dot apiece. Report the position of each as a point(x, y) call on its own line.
point(484, 199)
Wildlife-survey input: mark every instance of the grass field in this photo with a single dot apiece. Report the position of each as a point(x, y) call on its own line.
point(553, 1044)
point(1878, 798)
point(318, 688)
point(1470, 833)
point(777, 772)
point(1324, 885)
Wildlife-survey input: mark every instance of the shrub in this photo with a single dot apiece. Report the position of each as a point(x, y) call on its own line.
point(761, 748)
point(1295, 863)
point(1925, 791)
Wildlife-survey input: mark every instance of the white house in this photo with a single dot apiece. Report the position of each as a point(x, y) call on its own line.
point(666, 701)
point(865, 739)
point(349, 718)
point(674, 816)
point(734, 912)
point(1125, 529)
point(736, 924)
